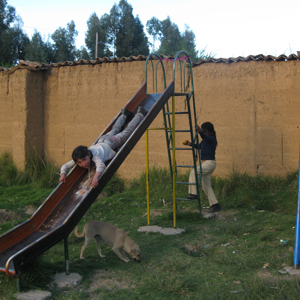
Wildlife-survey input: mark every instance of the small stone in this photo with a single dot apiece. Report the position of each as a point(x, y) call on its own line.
point(33, 295)
point(62, 280)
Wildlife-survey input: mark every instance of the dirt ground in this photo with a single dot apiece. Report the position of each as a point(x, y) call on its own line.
point(105, 279)
point(6, 215)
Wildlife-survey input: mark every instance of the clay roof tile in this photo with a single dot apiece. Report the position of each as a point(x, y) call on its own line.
point(36, 66)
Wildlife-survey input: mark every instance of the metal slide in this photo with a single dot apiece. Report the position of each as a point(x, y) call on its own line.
point(55, 219)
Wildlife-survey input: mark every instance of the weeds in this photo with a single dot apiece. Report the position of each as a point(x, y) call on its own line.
point(236, 255)
point(8, 171)
point(257, 192)
point(115, 186)
point(38, 170)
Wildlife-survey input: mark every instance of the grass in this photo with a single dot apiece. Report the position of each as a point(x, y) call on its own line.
point(39, 171)
point(236, 255)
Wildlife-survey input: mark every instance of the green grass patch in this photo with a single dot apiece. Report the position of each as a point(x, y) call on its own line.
point(219, 258)
point(38, 170)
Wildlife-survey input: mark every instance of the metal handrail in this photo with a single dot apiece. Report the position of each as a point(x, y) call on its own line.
point(154, 74)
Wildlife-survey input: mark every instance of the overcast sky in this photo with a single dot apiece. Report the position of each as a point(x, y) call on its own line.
point(229, 28)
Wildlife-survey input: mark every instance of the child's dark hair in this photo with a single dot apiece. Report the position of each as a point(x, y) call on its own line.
point(80, 152)
point(210, 128)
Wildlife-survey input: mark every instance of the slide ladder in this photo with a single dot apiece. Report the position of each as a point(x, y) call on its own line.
point(196, 154)
point(171, 113)
point(170, 116)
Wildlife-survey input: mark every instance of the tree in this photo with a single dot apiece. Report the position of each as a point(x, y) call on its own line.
point(125, 32)
point(49, 50)
point(139, 41)
point(153, 27)
point(82, 53)
point(100, 27)
point(7, 17)
point(36, 50)
point(64, 43)
point(170, 37)
point(172, 41)
point(20, 39)
point(13, 42)
point(130, 38)
point(188, 43)
point(113, 27)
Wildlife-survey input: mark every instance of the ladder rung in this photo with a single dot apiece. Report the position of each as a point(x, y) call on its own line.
point(184, 166)
point(184, 199)
point(179, 131)
point(178, 113)
point(186, 183)
point(181, 148)
point(181, 94)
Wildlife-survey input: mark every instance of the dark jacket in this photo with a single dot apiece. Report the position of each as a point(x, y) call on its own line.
point(208, 146)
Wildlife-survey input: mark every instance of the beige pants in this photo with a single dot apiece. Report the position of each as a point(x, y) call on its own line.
point(208, 167)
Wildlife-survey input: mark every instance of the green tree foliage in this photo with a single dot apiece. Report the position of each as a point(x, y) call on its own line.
point(188, 43)
point(170, 37)
point(20, 39)
point(7, 15)
point(125, 32)
point(36, 50)
point(98, 26)
point(119, 34)
point(130, 39)
point(113, 27)
point(140, 41)
point(171, 40)
point(7, 50)
point(50, 51)
point(82, 53)
point(153, 27)
point(64, 43)
point(12, 39)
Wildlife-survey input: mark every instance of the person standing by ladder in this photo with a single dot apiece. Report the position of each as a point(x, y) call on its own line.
point(208, 147)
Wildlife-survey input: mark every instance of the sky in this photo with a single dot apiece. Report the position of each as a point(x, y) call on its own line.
point(226, 28)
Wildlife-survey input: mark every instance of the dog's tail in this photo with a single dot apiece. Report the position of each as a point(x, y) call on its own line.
point(79, 234)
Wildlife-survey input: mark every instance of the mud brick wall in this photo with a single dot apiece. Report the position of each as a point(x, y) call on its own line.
point(254, 106)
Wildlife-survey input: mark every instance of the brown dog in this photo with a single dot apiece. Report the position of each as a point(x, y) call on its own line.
point(111, 236)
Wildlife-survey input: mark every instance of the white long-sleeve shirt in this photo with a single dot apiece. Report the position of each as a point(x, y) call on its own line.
point(101, 153)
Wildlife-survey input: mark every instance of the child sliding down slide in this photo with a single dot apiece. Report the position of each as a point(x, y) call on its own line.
point(103, 150)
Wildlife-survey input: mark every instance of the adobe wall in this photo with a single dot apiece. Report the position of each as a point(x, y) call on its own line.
point(21, 114)
point(253, 105)
point(6, 115)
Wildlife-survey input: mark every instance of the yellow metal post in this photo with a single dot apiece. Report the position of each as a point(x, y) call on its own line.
point(147, 170)
point(147, 178)
point(174, 161)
